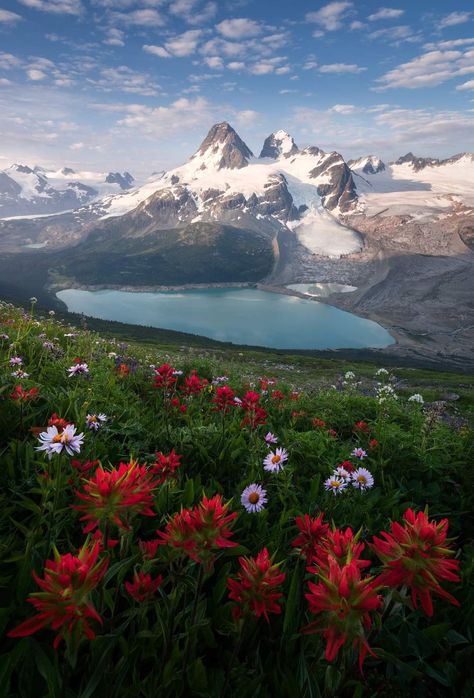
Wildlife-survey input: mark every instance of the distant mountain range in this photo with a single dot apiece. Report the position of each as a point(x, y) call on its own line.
point(37, 191)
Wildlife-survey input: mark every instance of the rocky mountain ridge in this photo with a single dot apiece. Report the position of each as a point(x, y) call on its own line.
point(28, 191)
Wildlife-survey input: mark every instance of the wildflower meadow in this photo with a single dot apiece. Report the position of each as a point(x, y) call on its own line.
point(171, 527)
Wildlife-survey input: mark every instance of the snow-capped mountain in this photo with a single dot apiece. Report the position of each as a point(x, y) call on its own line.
point(38, 191)
point(419, 187)
point(370, 164)
point(298, 190)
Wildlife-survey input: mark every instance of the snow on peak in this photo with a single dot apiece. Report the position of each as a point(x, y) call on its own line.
point(222, 149)
point(370, 164)
point(278, 144)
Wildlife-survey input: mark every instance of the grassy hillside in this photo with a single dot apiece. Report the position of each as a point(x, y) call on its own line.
point(277, 591)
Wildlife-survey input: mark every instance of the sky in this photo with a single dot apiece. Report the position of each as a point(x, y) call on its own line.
point(136, 84)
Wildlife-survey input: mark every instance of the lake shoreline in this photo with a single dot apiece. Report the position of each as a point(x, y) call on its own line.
point(217, 313)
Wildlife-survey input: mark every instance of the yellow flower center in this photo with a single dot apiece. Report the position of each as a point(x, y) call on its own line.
point(362, 479)
point(335, 483)
point(92, 418)
point(254, 497)
point(276, 459)
point(57, 439)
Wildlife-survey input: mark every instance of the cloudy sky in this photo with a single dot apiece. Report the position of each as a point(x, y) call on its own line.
point(136, 84)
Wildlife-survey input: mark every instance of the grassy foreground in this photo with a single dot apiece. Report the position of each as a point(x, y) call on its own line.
point(167, 548)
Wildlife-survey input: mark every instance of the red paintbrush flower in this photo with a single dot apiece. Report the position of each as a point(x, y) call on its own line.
point(255, 589)
point(143, 586)
point(122, 371)
point(83, 468)
point(312, 532)
point(58, 422)
point(362, 427)
point(201, 531)
point(165, 467)
point(318, 423)
point(347, 465)
point(164, 377)
point(417, 555)
point(149, 548)
point(116, 495)
point(342, 601)
point(224, 399)
point(332, 433)
point(254, 414)
point(63, 602)
point(277, 395)
point(193, 385)
point(21, 395)
point(373, 443)
point(341, 546)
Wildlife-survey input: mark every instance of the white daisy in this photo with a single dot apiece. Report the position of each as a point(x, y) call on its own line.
point(53, 441)
point(362, 479)
point(78, 369)
point(416, 398)
point(342, 473)
point(253, 498)
point(95, 421)
point(274, 460)
point(335, 484)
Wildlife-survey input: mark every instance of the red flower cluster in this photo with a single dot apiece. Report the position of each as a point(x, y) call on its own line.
point(362, 427)
point(122, 370)
point(63, 602)
point(83, 468)
point(143, 586)
point(149, 548)
point(165, 467)
point(417, 555)
point(255, 589)
point(254, 414)
point(312, 533)
point(318, 423)
point(199, 532)
point(193, 385)
point(164, 377)
point(178, 405)
point(224, 400)
point(342, 601)
point(116, 495)
point(277, 395)
point(21, 395)
point(56, 421)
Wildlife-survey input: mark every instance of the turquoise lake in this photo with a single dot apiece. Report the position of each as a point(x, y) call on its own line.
point(238, 315)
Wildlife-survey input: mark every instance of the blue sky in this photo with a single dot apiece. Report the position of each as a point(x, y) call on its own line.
point(136, 84)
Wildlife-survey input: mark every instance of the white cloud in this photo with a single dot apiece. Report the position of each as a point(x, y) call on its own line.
point(429, 70)
point(454, 43)
point(239, 28)
point(124, 79)
point(385, 13)
point(236, 65)
point(180, 45)
point(34, 74)
point(59, 7)
point(330, 16)
point(4, 82)
point(247, 117)
point(217, 45)
point(283, 70)
point(469, 85)
point(454, 18)
point(396, 35)
point(8, 61)
point(309, 65)
point(114, 37)
point(344, 109)
point(77, 146)
point(214, 62)
point(354, 26)
point(177, 117)
point(157, 51)
point(339, 68)
point(184, 44)
point(8, 17)
point(189, 12)
point(143, 17)
point(424, 125)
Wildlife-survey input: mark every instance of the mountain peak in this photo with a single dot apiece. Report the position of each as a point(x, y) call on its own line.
point(370, 164)
point(223, 148)
point(279, 144)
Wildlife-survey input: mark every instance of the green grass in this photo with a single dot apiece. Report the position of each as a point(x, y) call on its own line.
point(183, 641)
